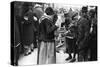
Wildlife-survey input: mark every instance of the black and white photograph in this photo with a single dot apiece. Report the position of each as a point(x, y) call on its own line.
point(53, 33)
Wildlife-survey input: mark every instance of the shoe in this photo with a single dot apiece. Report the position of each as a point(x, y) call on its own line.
point(16, 64)
point(68, 58)
point(32, 50)
point(73, 60)
point(57, 51)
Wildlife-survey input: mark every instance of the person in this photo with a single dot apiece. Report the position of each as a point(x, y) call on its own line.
point(93, 34)
point(47, 49)
point(71, 38)
point(68, 32)
point(74, 30)
point(38, 12)
point(83, 35)
point(28, 31)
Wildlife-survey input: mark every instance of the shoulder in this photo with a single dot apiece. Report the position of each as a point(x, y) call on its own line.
point(45, 19)
point(83, 20)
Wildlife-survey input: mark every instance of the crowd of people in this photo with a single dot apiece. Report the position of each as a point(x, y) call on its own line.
point(36, 28)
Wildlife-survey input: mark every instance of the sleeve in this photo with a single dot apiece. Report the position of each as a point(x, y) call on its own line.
point(80, 32)
point(87, 30)
point(49, 26)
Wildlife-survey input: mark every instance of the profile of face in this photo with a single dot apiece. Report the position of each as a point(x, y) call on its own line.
point(55, 17)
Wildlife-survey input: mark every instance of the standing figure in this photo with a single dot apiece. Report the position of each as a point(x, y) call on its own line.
point(38, 12)
point(83, 35)
point(93, 34)
point(71, 38)
point(47, 49)
point(68, 34)
point(28, 31)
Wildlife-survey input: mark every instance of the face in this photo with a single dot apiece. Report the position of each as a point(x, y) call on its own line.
point(51, 16)
point(55, 17)
point(83, 14)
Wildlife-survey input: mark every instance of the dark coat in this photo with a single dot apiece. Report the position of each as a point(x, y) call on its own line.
point(29, 29)
point(83, 32)
point(46, 30)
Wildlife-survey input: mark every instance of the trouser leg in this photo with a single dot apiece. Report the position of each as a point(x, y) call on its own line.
point(50, 53)
point(42, 53)
point(80, 56)
point(93, 49)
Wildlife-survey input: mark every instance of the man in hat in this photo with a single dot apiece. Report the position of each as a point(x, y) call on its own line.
point(83, 34)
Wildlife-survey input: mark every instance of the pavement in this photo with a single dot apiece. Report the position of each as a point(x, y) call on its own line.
point(32, 58)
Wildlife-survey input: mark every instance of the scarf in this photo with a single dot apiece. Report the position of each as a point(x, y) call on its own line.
point(45, 16)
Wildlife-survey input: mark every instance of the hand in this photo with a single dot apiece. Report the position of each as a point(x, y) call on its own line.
point(57, 24)
point(25, 17)
point(67, 32)
point(35, 18)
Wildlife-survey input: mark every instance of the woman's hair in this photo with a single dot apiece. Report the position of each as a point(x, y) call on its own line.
point(49, 11)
